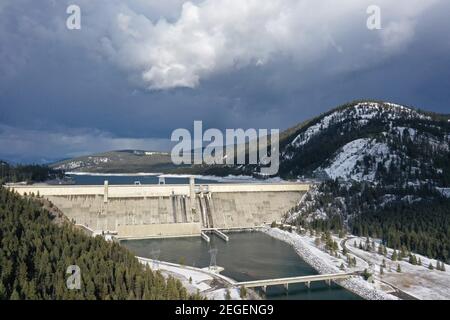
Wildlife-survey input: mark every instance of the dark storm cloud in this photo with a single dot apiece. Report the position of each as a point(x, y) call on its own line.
point(64, 93)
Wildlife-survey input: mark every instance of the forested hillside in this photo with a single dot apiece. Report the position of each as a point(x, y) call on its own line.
point(35, 253)
point(27, 173)
point(370, 141)
point(416, 219)
point(384, 172)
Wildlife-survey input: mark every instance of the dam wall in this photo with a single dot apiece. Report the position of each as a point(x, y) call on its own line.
point(170, 210)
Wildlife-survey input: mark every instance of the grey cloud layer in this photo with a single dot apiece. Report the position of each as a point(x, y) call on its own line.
point(213, 36)
point(139, 69)
point(216, 36)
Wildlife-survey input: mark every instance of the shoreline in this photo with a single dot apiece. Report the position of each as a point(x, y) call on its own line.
point(99, 174)
point(357, 286)
point(199, 280)
point(228, 178)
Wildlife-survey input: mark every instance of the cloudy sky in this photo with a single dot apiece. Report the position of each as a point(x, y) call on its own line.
point(138, 69)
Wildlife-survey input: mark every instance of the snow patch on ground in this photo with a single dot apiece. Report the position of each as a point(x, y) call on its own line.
point(220, 294)
point(325, 263)
point(344, 164)
point(416, 280)
point(209, 284)
point(444, 191)
point(361, 113)
point(306, 203)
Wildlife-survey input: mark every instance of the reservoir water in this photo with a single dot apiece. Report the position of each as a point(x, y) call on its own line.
point(131, 179)
point(247, 256)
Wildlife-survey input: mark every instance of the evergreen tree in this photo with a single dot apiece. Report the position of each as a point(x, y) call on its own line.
point(366, 274)
point(380, 249)
point(394, 256)
point(15, 295)
point(399, 269)
point(242, 292)
point(227, 294)
point(403, 252)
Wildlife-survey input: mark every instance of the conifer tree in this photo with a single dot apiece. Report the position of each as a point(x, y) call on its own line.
point(242, 292)
point(380, 249)
point(394, 256)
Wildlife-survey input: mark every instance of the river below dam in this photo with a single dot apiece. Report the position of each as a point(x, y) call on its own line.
point(247, 256)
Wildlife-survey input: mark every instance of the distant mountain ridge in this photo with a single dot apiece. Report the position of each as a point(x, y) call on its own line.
point(385, 171)
point(362, 141)
point(118, 162)
point(370, 141)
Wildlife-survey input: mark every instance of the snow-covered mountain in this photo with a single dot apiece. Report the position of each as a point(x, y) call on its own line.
point(385, 172)
point(371, 141)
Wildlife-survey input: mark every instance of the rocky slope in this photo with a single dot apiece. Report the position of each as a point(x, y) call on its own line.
point(385, 172)
point(371, 141)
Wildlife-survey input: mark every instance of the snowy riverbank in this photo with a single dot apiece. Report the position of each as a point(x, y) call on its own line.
point(325, 263)
point(209, 284)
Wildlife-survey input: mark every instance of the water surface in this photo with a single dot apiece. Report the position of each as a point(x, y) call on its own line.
point(143, 179)
point(247, 256)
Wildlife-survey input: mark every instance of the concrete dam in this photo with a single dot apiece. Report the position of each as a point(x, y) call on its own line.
point(144, 211)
